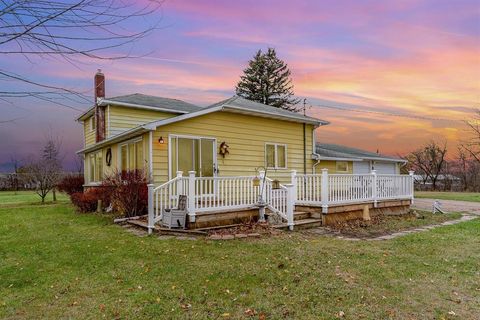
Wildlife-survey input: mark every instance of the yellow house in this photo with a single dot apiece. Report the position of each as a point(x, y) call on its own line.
point(215, 157)
point(233, 137)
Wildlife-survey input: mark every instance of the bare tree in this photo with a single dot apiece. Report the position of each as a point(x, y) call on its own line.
point(429, 161)
point(472, 143)
point(14, 176)
point(46, 170)
point(69, 30)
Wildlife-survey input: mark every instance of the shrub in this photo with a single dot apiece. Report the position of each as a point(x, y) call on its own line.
point(85, 201)
point(128, 192)
point(71, 184)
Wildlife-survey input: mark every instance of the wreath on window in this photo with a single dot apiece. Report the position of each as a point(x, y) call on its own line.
point(223, 149)
point(108, 157)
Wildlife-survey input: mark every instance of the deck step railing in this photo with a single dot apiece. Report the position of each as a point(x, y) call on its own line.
point(209, 194)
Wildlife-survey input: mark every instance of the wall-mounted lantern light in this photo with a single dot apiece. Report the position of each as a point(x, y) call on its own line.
point(161, 141)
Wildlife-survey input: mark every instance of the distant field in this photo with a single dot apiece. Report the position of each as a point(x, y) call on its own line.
point(27, 197)
point(460, 196)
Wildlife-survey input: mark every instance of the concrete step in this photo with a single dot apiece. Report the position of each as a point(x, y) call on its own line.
point(301, 224)
point(300, 215)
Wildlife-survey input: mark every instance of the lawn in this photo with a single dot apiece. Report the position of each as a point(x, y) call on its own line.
point(55, 263)
point(461, 196)
point(11, 198)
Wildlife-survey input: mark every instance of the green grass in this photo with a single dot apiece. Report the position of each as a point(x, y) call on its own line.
point(460, 196)
point(9, 198)
point(58, 264)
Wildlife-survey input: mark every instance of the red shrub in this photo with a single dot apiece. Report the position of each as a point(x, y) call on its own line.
point(71, 184)
point(128, 192)
point(84, 201)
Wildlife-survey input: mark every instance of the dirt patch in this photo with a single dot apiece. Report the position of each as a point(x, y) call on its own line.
point(381, 225)
point(247, 229)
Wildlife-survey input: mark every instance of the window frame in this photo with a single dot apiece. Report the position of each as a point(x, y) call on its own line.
point(92, 163)
point(132, 142)
point(346, 166)
point(276, 166)
point(92, 123)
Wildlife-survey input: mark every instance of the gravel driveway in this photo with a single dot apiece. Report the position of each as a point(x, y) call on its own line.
point(448, 205)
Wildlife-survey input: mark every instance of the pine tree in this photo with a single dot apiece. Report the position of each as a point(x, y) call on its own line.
point(267, 80)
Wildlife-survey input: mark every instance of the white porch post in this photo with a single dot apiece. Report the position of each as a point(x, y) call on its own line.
point(191, 195)
point(324, 191)
point(412, 186)
point(179, 183)
point(374, 188)
point(290, 205)
point(151, 218)
point(294, 183)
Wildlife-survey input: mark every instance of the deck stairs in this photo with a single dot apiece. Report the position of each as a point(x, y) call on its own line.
point(301, 220)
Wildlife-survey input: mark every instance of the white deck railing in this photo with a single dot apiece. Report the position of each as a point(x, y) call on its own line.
point(209, 194)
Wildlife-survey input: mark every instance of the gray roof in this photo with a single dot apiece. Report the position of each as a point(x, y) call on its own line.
point(174, 105)
point(248, 105)
point(329, 150)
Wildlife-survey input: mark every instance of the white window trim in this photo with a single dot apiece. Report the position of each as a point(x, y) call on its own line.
point(92, 119)
point(90, 156)
point(119, 151)
point(171, 174)
point(276, 155)
point(341, 171)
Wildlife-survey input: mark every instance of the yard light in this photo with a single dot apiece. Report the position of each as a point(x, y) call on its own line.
point(161, 141)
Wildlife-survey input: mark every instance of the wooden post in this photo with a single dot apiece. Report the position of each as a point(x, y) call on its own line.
point(294, 183)
point(374, 188)
point(151, 218)
point(324, 191)
point(191, 195)
point(290, 206)
point(412, 186)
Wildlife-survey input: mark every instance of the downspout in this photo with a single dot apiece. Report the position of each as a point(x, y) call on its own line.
point(304, 149)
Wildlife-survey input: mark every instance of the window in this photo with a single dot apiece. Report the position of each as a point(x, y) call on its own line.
point(131, 155)
point(192, 153)
point(276, 156)
point(95, 167)
point(342, 166)
point(92, 123)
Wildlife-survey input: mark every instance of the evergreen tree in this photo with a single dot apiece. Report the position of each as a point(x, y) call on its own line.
point(267, 80)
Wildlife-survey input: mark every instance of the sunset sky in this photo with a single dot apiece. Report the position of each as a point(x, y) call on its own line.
point(419, 60)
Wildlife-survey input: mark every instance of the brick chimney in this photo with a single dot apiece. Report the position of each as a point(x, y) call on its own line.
point(99, 88)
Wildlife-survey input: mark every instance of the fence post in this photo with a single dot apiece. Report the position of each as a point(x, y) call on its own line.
point(374, 188)
point(294, 183)
point(191, 195)
point(412, 186)
point(290, 205)
point(324, 191)
point(179, 183)
point(151, 218)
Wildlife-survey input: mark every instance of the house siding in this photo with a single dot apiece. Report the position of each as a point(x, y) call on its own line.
point(120, 119)
point(88, 134)
point(246, 136)
point(331, 165)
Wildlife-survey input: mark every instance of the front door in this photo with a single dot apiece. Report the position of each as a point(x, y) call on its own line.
point(191, 153)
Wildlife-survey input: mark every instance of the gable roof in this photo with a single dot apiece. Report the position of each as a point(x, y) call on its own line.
point(233, 104)
point(237, 103)
point(143, 101)
point(240, 105)
point(328, 151)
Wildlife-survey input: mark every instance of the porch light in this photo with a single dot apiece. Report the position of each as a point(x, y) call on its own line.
point(161, 141)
